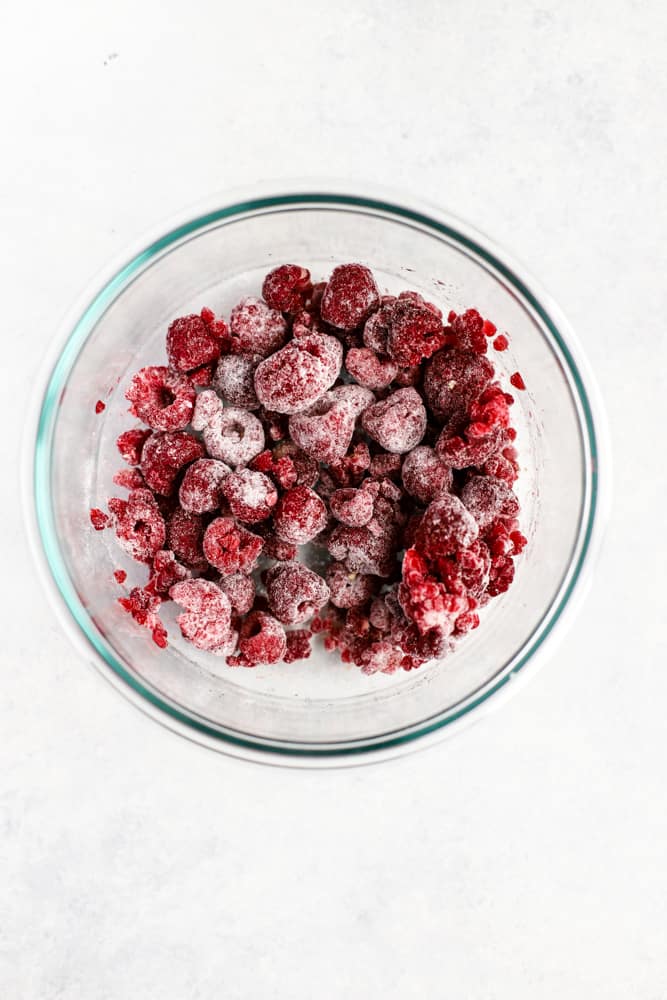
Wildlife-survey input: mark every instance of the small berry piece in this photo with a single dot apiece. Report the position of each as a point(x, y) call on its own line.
point(163, 456)
point(98, 519)
point(299, 515)
point(201, 489)
point(294, 592)
point(262, 639)
point(501, 343)
point(100, 406)
point(287, 287)
point(298, 645)
point(398, 422)
point(251, 495)
point(256, 327)
point(129, 479)
point(517, 381)
point(467, 332)
point(424, 474)
point(161, 398)
point(130, 444)
point(166, 572)
point(206, 621)
point(120, 575)
point(230, 548)
point(140, 527)
point(144, 605)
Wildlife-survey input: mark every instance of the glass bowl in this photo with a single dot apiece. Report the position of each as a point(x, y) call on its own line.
point(318, 711)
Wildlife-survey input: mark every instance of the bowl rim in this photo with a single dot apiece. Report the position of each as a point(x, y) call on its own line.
point(72, 335)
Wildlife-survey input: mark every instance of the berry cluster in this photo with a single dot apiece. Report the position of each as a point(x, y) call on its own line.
point(329, 415)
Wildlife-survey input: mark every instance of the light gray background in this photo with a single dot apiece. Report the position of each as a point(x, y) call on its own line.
point(525, 858)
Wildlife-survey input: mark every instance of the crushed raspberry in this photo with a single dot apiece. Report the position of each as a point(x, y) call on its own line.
point(294, 377)
point(501, 343)
point(185, 533)
point(299, 515)
point(144, 606)
point(140, 527)
point(324, 430)
point(240, 589)
point(131, 443)
point(415, 330)
point(235, 379)
point(100, 406)
point(206, 620)
point(351, 468)
point(201, 489)
point(466, 331)
point(368, 369)
point(164, 455)
point(129, 479)
point(398, 422)
point(446, 526)
point(193, 342)
point(161, 398)
point(166, 572)
point(298, 645)
point(251, 495)
point(262, 639)
point(424, 474)
point(230, 548)
point(230, 434)
point(287, 287)
point(120, 575)
point(352, 507)
point(350, 296)
point(517, 381)
point(453, 379)
point(256, 327)
point(488, 498)
point(294, 592)
point(99, 519)
point(349, 589)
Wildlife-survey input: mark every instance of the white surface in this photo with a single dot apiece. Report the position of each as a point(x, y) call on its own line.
point(524, 859)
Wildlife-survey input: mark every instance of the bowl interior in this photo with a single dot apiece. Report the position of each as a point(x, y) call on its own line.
point(320, 705)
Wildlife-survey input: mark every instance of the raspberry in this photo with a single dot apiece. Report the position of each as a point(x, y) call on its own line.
point(350, 296)
point(453, 379)
point(206, 621)
point(185, 533)
point(294, 592)
point(487, 499)
point(251, 495)
point(517, 381)
point(275, 548)
point(164, 455)
point(488, 413)
point(230, 434)
point(501, 468)
point(130, 444)
point(398, 422)
point(352, 507)
point(409, 375)
point(460, 454)
point(234, 379)
point(261, 640)
point(426, 601)
point(501, 575)
point(474, 565)
point(191, 342)
point(143, 606)
point(129, 479)
point(294, 377)
point(368, 369)
point(256, 328)
point(376, 327)
point(385, 465)
point(287, 287)
point(324, 430)
point(349, 589)
point(501, 343)
point(140, 527)
point(230, 548)
point(299, 515)
point(161, 398)
point(415, 330)
point(307, 470)
point(201, 489)
point(467, 331)
point(362, 551)
point(283, 470)
point(100, 407)
point(425, 475)
point(351, 468)
point(298, 645)
point(446, 526)
point(240, 590)
point(98, 519)
point(166, 572)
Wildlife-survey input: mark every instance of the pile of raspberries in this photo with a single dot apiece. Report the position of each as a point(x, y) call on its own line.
point(331, 416)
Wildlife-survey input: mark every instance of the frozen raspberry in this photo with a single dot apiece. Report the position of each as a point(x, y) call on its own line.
point(140, 527)
point(299, 515)
point(385, 465)
point(350, 296)
point(474, 564)
point(100, 407)
point(294, 377)
point(489, 413)
point(425, 475)
point(206, 621)
point(164, 455)
point(275, 424)
point(324, 430)
point(161, 398)
point(355, 397)
point(191, 342)
point(98, 519)
point(307, 469)
point(256, 328)
point(130, 444)
point(251, 495)
point(460, 454)
point(144, 605)
point(287, 287)
point(185, 534)
point(426, 601)
point(202, 377)
point(298, 645)
point(517, 381)
point(166, 572)
point(398, 422)
point(352, 507)
point(230, 548)
point(230, 434)
point(368, 369)
point(466, 331)
point(235, 379)
point(453, 379)
point(351, 468)
point(262, 639)
point(349, 589)
point(488, 499)
point(501, 343)
point(362, 551)
point(201, 489)
point(501, 468)
point(275, 548)
point(376, 327)
point(120, 576)
point(446, 526)
point(415, 330)
point(466, 622)
point(294, 592)
point(379, 615)
point(501, 575)
point(282, 470)
point(240, 590)
point(129, 479)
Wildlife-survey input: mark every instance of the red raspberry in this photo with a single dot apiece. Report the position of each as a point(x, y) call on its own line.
point(467, 331)
point(235, 379)
point(352, 467)
point(446, 526)
point(466, 622)
point(298, 645)
point(501, 575)
point(230, 434)
point(385, 465)
point(424, 474)
point(426, 601)
point(240, 590)
point(130, 444)
point(347, 588)
point(453, 379)
point(460, 454)
point(143, 606)
point(201, 489)
point(410, 375)
point(191, 342)
point(376, 327)
point(283, 470)
point(287, 287)
point(166, 572)
point(294, 377)
point(275, 548)
point(140, 527)
point(368, 369)
point(517, 381)
point(350, 296)
point(474, 565)
point(307, 469)
point(251, 495)
point(488, 413)
point(206, 621)
point(294, 592)
point(185, 533)
point(352, 507)
point(129, 479)
point(398, 422)
point(98, 519)
point(201, 377)
point(415, 331)
point(324, 430)
point(299, 515)
point(261, 640)
point(161, 398)
point(487, 499)
point(164, 455)
point(362, 551)
point(230, 548)
point(501, 468)
point(256, 328)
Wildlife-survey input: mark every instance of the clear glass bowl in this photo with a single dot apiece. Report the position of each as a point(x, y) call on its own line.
point(318, 711)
